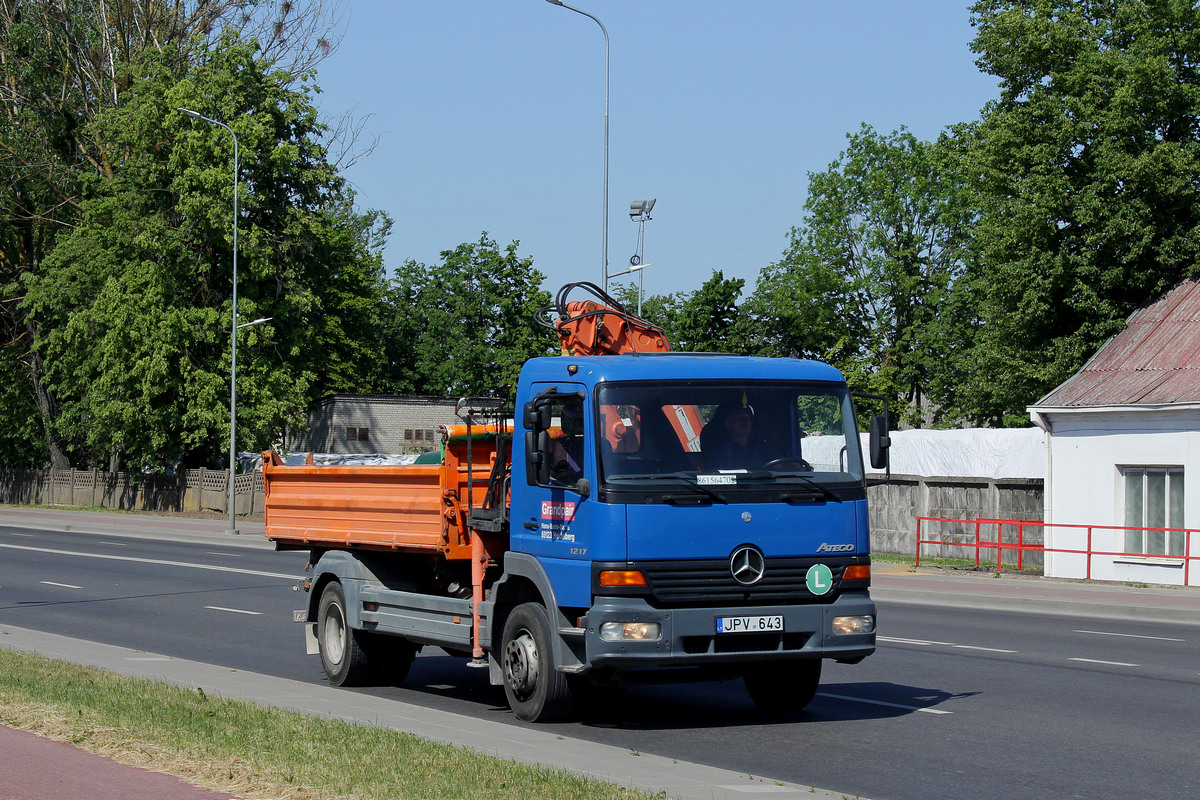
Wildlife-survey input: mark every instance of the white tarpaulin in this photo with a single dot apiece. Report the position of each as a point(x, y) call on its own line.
point(972, 452)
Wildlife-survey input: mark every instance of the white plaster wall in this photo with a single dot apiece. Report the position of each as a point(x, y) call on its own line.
point(1085, 486)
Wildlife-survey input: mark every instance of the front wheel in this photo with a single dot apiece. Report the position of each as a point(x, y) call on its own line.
point(536, 691)
point(783, 686)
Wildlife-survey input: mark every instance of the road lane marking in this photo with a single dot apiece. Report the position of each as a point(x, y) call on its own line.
point(159, 562)
point(223, 555)
point(26, 535)
point(984, 649)
point(882, 703)
point(895, 640)
point(235, 610)
point(61, 585)
point(925, 642)
point(116, 544)
point(1105, 663)
point(1133, 636)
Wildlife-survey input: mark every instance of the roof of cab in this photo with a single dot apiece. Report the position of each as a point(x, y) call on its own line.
point(675, 366)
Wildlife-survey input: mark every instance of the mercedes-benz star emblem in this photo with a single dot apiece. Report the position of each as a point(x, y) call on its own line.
point(747, 565)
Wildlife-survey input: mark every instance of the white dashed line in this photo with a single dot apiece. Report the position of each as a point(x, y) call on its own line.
point(61, 585)
point(1105, 663)
point(882, 703)
point(235, 610)
point(1133, 636)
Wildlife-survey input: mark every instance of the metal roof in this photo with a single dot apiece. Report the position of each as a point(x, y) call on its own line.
point(1154, 361)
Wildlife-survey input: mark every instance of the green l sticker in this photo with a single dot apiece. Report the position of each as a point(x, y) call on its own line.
point(819, 579)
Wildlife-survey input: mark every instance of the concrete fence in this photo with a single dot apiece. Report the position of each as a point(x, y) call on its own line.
point(188, 490)
point(894, 507)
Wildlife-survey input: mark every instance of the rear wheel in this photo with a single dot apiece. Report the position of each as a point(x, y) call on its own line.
point(345, 653)
point(536, 691)
point(783, 686)
point(391, 656)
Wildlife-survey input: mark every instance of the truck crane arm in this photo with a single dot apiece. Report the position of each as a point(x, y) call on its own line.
point(600, 327)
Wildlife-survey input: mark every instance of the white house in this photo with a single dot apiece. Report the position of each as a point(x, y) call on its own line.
point(1122, 434)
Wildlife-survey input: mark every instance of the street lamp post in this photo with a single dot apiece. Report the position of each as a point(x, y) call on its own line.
point(638, 269)
point(233, 327)
point(604, 233)
point(639, 212)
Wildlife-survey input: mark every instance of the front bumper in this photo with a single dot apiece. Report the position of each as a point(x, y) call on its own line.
point(689, 636)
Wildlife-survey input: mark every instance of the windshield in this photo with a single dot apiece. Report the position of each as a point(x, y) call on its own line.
point(725, 434)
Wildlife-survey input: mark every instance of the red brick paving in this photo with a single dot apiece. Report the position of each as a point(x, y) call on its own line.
point(34, 768)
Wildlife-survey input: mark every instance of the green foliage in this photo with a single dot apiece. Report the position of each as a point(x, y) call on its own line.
point(464, 326)
point(134, 306)
point(870, 281)
point(1084, 178)
point(709, 319)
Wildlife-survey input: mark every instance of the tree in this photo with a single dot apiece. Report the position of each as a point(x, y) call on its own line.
point(133, 306)
point(709, 319)
point(465, 326)
point(1084, 178)
point(62, 65)
point(870, 279)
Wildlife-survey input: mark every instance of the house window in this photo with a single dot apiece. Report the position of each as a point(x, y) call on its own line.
point(358, 434)
point(1153, 499)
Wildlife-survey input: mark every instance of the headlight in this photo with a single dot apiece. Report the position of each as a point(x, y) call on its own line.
point(630, 631)
point(860, 624)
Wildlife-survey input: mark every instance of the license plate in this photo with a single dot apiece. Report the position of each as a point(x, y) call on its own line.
point(773, 623)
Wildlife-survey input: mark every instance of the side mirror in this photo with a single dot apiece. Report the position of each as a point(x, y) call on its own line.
point(537, 458)
point(537, 416)
point(880, 442)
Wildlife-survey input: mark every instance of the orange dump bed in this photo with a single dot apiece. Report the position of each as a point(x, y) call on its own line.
point(415, 507)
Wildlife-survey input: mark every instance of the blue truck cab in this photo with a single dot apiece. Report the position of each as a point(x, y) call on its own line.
point(682, 516)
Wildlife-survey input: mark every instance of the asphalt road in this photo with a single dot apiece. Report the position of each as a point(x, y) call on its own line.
point(955, 704)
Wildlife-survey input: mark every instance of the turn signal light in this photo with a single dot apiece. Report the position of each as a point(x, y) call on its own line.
point(857, 572)
point(628, 577)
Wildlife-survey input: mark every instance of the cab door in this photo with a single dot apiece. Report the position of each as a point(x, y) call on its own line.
point(554, 521)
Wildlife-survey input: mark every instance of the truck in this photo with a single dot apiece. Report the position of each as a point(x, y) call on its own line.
point(602, 530)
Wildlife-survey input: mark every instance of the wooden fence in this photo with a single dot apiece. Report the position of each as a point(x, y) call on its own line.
point(187, 490)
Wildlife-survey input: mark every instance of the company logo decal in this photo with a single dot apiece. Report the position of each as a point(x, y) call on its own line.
point(835, 548)
point(558, 511)
point(747, 565)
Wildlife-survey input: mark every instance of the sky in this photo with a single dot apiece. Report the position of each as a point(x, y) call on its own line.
point(488, 116)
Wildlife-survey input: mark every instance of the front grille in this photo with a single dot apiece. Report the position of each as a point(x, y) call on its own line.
point(745, 643)
point(709, 582)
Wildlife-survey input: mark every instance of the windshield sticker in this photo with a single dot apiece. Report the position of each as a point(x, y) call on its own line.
point(717, 480)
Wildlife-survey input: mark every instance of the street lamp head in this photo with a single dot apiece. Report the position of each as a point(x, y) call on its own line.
point(554, 2)
point(189, 112)
point(640, 209)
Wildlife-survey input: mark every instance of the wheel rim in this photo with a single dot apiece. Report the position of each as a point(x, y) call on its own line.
point(335, 634)
point(522, 664)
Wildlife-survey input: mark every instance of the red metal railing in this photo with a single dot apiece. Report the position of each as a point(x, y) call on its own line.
point(982, 542)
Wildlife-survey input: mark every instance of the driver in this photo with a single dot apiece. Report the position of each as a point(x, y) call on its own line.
point(566, 451)
point(736, 445)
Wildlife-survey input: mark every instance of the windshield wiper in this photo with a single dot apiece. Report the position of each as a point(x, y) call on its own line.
point(818, 488)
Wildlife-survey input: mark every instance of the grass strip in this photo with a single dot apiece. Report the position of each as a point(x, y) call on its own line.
point(260, 752)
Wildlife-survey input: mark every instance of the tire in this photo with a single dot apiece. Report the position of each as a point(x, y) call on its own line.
point(536, 691)
point(345, 653)
point(783, 686)
point(391, 656)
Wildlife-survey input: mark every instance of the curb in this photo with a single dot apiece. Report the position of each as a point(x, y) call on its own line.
point(532, 745)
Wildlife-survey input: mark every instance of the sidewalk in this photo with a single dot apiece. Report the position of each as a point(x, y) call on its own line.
point(33, 768)
point(891, 583)
point(961, 588)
